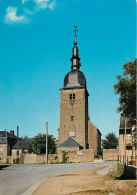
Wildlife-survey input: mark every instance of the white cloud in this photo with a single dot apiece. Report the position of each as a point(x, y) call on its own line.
point(11, 16)
point(28, 12)
point(24, 1)
point(52, 5)
point(42, 4)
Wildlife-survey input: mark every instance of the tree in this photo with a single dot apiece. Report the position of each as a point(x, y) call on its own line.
point(110, 142)
point(64, 157)
point(38, 144)
point(126, 88)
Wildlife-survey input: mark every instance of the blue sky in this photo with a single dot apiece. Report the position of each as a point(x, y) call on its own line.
point(35, 51)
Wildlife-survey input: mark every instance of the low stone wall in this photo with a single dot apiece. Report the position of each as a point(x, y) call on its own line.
point(110, 154)
point(124, 172)
point(121, 186)
point(75, 155)
point(126, 182)
point(30, 158)
point(37, 159)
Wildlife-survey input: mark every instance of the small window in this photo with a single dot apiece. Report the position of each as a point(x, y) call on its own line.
point(1, 149)
point(72, 134)
point(72, 118)
point(72, 96)
point(1, 158)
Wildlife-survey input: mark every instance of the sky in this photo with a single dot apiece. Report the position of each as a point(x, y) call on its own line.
point(36, 41)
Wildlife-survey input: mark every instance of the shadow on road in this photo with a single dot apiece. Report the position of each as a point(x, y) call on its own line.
point(3, 166)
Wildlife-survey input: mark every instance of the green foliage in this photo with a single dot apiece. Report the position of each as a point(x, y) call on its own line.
point(111, 141)
point(64, 157)
point(38, 144)
point(126, 88)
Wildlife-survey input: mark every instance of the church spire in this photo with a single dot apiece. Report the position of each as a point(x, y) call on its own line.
point(75, 57)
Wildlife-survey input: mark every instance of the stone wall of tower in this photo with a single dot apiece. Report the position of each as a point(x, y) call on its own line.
point(79, 113)
point(94, 138)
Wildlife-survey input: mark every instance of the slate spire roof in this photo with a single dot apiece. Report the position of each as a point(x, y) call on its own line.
point(70, 143)
point(75, 78)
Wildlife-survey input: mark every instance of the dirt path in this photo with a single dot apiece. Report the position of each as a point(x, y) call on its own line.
point(72, 182)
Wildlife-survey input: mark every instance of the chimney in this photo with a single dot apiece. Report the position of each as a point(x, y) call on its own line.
point(12, 132)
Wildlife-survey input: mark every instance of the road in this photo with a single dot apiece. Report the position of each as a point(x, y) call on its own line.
point(24, 179)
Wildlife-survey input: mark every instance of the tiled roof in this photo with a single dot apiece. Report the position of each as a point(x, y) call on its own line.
point(3, 140)
point(3, 133)
point(5, 136)
point(23, 144)
point(69, 143)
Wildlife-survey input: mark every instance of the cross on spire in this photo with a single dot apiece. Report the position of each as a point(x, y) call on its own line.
point(75, 42)
point(75, 30)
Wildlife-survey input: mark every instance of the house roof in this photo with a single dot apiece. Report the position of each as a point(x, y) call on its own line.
point(70, 143)
point(4, 136)
point(23, 144)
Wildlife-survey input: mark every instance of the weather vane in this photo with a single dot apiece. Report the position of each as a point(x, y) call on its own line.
point(75, 30)
point(75, 42)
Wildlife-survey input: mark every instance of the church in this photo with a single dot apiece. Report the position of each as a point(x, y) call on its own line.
point(76, 129)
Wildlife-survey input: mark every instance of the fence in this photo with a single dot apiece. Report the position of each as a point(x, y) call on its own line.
point(129, 160)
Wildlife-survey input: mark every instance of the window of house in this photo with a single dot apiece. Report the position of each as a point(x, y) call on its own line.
point(72, 118)
point(72, 99)
point(1, 149)
point(1, 158)
point(72, 96)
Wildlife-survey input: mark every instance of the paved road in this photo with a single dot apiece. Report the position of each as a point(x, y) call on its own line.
point(24, 179)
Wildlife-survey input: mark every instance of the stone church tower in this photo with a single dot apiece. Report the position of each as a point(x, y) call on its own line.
point(74, 104)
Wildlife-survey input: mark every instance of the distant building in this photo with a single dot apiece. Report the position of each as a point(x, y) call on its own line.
point(7, 141)
point(74, 115)
point(125, 139)
point(22, 147)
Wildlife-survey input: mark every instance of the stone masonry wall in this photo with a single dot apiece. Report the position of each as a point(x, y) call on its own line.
point(37, 159)
point(3, 153)
point(122, 147)
point(29, 158)
point(78, 111)
point(14, 153)
point(92, 137)
point(110, 154)
point(75, 155)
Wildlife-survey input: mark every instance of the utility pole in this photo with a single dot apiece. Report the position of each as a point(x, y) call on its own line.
point(126, 123)
point(133, 140)
point(47, 142)
point(17, 143)
point(125, 136)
